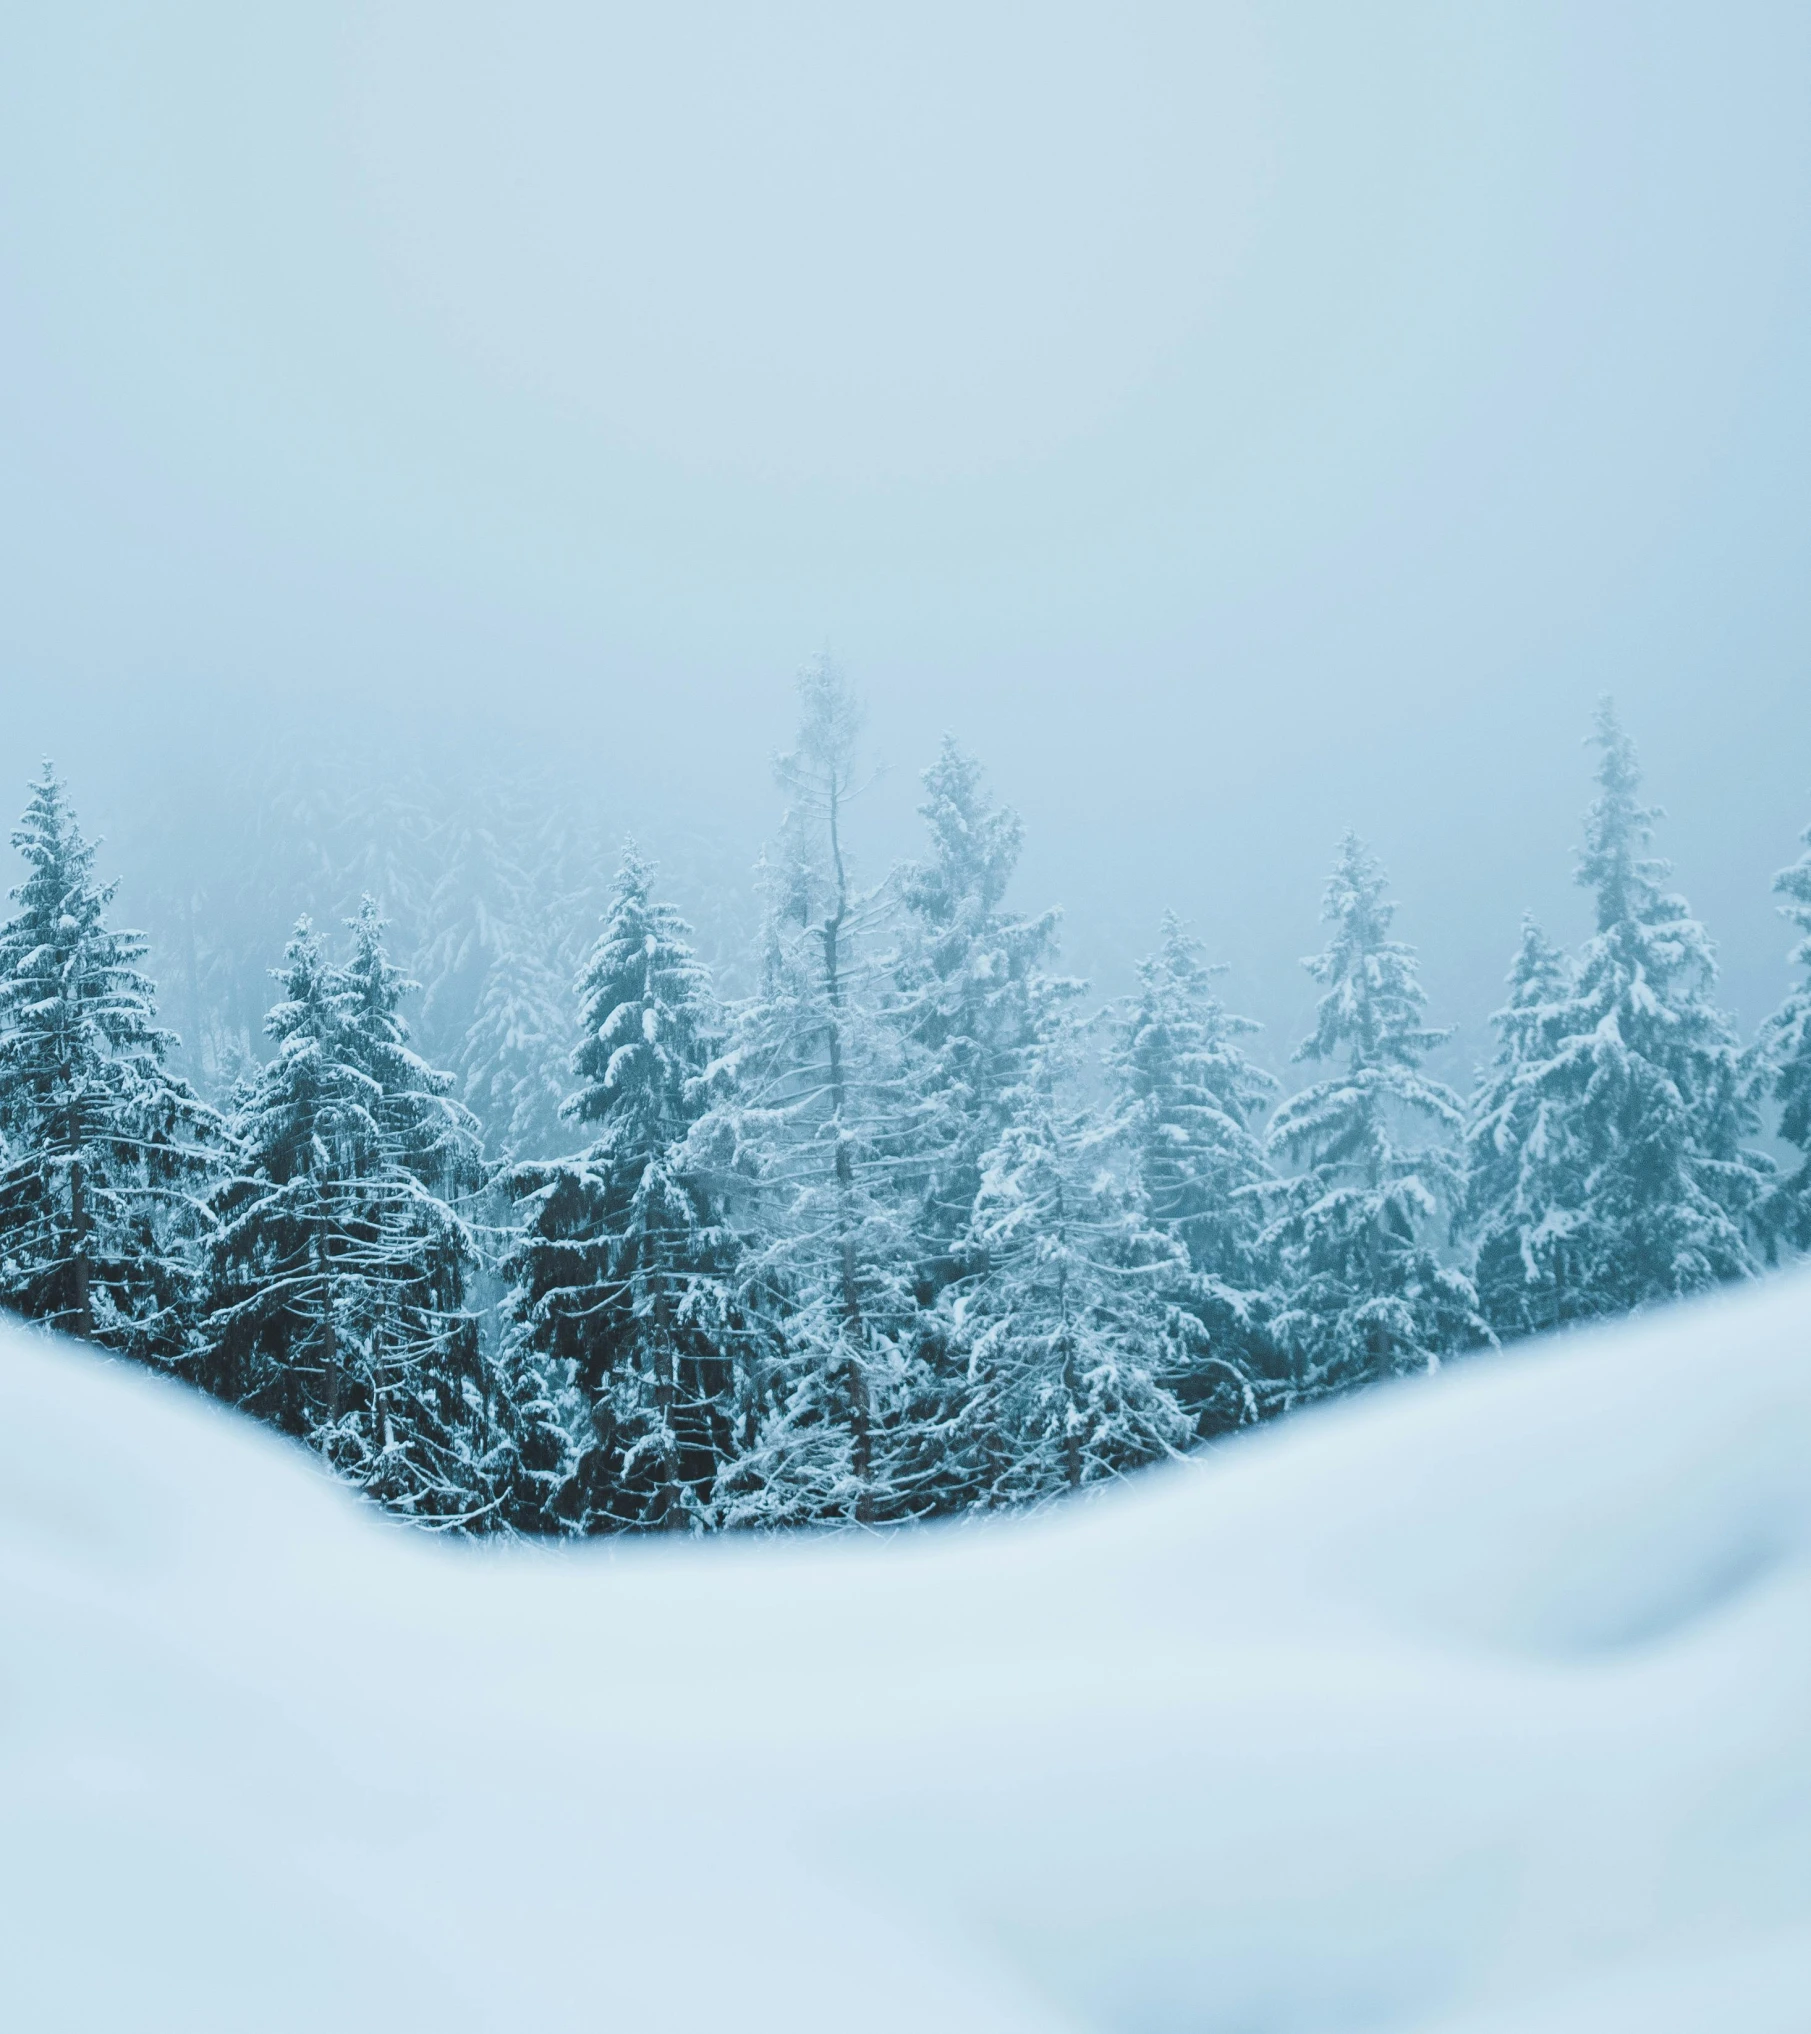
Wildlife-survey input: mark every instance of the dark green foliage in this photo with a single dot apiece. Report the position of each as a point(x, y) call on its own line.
point(106, 1154)
point(618, 1278)
point(877, 1242)
point(339, 1276)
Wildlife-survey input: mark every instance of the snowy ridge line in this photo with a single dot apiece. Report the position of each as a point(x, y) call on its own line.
point(1481, 1705)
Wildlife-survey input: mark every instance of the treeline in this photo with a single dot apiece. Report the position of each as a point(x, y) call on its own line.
point(899, 1231)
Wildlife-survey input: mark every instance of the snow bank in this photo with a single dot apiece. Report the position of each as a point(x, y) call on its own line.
point(1480, 1707)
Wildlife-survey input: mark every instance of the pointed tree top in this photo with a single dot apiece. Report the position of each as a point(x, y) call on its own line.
point(1372, 1008)
point(634, 875)
point(1617, 828)
point(377, 986)
point(975, 843)
point(831, 716)
point(1355, 890)
point(59, 859)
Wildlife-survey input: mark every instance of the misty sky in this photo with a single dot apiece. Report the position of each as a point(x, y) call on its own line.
point(1235, 422)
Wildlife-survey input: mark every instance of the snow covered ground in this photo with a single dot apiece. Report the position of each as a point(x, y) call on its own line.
point(1482, 1705)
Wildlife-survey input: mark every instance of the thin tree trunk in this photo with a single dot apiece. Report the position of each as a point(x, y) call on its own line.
point(81, 1308)
point(856, 1382)
point(328, 1323)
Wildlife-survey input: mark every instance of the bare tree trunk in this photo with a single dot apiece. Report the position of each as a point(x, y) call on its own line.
point(1072, 1440)
point(856, 1382)
point(667, 1511)
point(81, 1301)
point(323, 1263)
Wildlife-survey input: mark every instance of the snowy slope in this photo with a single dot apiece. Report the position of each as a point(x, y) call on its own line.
point(1484, 1705)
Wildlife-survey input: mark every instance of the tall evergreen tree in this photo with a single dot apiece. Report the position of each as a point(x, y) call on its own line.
point(1516, 1125)
point(1787, 1045)
point(969, 998)
point(1067, 1336)
point(1610, 1160)
point(1367, 1295)
point(105, 1154)
point(814, 1119)
point(621, 1278)
point(970, 984)
point(340, 1273)
point(1186, 1102)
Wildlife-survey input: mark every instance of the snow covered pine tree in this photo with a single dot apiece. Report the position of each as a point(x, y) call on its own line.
point(970, 990)
point(1608, 1154)
point(338, 1281)
point(1366, 1295)
point(968, 995)
point(1066, 1334)
point(106, 1155)
point(621, 1276)
point(1514, 1127)
point(1185, 1100)
point(813, 1117)
point(1787, 1044)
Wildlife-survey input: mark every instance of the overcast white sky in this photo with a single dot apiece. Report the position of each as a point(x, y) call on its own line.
point(1235, 421)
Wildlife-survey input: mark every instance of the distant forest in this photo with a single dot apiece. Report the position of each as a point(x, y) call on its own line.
point(525, 1219)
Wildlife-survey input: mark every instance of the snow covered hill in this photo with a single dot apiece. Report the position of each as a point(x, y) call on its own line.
point(1480, 1705)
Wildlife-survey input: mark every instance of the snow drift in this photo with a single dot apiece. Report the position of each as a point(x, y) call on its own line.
point(1481, 1704)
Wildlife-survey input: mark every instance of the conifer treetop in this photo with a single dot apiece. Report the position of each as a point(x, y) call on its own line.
point(61, 965)
point(646, 1010)
point(1617, 827)
point(1649, 954)
point(975, 845)
point(1374, 1000)
point(821, 767)
point(104, 1151)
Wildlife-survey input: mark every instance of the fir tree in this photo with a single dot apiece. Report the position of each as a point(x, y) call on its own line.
point(340, 1273)
point(1186, 1102)
point(969, 993)
point(1516, 1125)
point(106, 1154)
point(1787, 1043)
point(1366, 1294)
point(1067, 1336)
point(1610, 1166)
point(813, 1119)
point(621, 1273)
point(969, 988)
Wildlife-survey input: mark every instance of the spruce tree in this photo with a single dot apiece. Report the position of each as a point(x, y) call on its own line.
point(1610, 1161)
point(1186, 1103)
point(1520, 1236)
point(105, 1153)
point(813, 1120)
point(340, 1306)
point(1067, 1335)
point(1787, 1044)
point(968, 991)
point(1366, 1294)
point(621, 1274)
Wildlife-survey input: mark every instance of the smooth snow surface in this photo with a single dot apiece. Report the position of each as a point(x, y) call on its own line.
point(1480, 1707)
